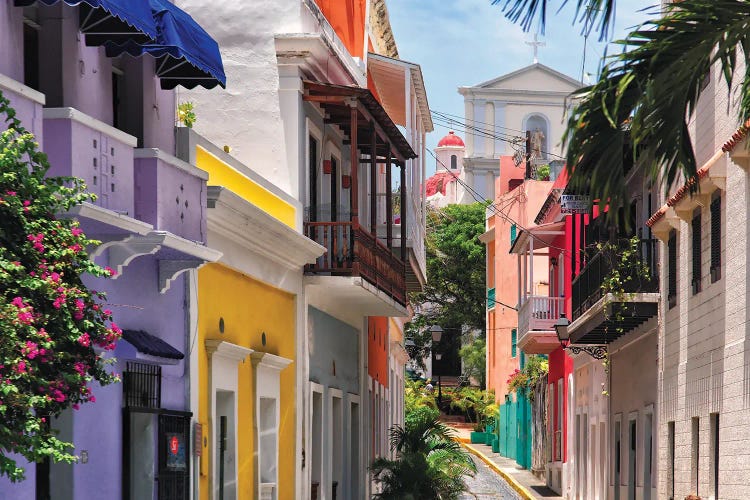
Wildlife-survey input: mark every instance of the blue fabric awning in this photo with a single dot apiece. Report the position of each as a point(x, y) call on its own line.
point(186, 55)
point(115, 21)
point(151, 345)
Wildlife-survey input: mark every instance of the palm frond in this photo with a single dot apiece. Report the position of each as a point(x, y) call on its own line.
point(646, 96)
point(592, 15)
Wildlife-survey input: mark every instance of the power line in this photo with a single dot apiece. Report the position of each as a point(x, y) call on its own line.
point(478, 132)
point(477, 197)
point(450, 115)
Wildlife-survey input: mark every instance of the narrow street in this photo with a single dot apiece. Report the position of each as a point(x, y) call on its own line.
point(488, 484)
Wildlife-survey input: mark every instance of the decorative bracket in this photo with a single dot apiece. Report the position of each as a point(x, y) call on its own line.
point(595, 351)
point(123, 254)
point(107, 241)
point(169, 270)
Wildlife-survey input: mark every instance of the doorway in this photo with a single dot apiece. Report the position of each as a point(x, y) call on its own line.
point(648, 456)
point(354, 450)
point(632, 441)
point(316, 452)
point(226, 448)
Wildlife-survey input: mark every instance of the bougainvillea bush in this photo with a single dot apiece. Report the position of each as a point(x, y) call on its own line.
point(54, 332)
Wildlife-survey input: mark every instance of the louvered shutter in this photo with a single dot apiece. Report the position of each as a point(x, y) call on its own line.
point(672, 269)
point(715, 238)
point(696, 226)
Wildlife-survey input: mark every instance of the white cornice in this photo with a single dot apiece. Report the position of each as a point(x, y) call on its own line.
point(19, 88)
point(244, 223)
point(185, 246)
point(268, 360)
point(94, 212)
point(227, 350)
point(91, 122)
point(172, 160)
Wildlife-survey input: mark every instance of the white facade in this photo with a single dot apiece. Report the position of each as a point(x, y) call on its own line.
point(506, 107)
point(704, 343)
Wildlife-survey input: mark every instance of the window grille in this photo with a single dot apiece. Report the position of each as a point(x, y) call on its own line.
point(513, 342)
point(696, 226)
point(142, 385)
point(715, 238)
point(672, 269)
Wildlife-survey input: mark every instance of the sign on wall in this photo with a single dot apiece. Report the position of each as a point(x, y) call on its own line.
point(176, 459)
point(575, 204)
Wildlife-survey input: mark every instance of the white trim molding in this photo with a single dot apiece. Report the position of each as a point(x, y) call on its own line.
point(91, 122)
point(244, 223)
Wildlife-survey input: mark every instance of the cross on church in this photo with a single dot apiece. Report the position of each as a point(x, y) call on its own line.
point(536, 44)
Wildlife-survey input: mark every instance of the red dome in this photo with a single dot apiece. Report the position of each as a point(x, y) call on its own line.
point(451, 140)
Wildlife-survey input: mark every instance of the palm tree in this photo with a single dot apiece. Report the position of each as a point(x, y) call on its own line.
point(640, 106)
point(429, 464)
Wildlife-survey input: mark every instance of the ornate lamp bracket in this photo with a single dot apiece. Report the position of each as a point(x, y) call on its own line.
point(595, 351)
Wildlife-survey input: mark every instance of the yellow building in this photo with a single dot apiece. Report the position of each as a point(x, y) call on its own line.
point(244, 345)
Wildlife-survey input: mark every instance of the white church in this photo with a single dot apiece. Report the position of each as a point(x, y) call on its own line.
point(496, 113)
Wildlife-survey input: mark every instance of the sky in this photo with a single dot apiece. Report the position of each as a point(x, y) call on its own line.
point(466, 42)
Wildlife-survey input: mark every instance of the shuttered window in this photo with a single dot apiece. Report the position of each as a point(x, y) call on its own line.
point(715, 237)
point(513, 340)
point(672, 269)
point(696, 227)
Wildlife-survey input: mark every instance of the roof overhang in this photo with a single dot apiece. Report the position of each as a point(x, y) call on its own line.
point(244, 223)
point(312, 51)
point(338, 100)
point(542, 236)
point(538, 342)
point(389, 75)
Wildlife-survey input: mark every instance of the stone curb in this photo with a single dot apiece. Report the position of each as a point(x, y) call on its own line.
point(523, 492)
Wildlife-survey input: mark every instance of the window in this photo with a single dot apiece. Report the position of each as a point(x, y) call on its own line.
point(117, 90)
point(454, 162)
point(142, 385)
point(670, 460)
point(31, 54)
point(694, 451)
point(513, 340)
point(672, 269)
point(715, 237)
point(714, 444)
point(313, 187)
point(696, 227)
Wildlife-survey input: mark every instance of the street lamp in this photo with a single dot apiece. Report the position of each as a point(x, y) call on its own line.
point(563, 335)
point(437, 334)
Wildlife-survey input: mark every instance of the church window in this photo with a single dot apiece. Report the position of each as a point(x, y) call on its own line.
point(454, 162)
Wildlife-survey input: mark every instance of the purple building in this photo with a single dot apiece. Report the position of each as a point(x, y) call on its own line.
point(93, 81)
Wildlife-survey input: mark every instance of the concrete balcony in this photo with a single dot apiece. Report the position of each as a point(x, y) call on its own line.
point(28, 104)
point(81, 146)
point(536, 324)
point(170, 194)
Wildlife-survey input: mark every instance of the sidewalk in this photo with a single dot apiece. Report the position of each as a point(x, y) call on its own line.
point(526, 484)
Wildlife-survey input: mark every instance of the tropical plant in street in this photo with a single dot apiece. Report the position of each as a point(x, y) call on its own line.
point(418, 403)
point(53, 330)
point(429, 463)
point(478, 406)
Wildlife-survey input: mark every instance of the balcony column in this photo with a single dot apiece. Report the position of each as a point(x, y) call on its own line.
point(531, 264)
point(373, 183)
point(403, 211)
point(354, 158)
point(520, 293)
point(388, 200)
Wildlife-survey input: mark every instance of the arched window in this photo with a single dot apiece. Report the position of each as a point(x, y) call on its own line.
point(454, 162)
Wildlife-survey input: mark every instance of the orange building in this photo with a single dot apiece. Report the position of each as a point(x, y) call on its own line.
point(520, 202)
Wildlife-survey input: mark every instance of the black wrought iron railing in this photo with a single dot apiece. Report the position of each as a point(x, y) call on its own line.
point(587, 286)
point(142, 385)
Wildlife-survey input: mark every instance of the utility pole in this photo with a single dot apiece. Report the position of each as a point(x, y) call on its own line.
point(528, 154)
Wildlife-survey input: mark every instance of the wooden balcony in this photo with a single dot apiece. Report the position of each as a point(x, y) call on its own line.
point(536, 323)
point(352, 251)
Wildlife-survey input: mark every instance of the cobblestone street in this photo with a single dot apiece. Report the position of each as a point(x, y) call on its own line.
point(488, 484)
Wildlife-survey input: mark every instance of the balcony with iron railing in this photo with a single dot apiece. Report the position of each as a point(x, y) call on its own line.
point(352, 251)
point(600, 319)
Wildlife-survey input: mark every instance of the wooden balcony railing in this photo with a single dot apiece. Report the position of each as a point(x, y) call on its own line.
point(352, 251)
point(539, 313)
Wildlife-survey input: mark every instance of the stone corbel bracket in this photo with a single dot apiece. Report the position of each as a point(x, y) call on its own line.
point(666, 224)
point(169, 270)
point(123, 253)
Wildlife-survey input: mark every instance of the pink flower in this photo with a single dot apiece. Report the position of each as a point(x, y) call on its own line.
point(76, 406)
point(54, 277)
point(80, 368)
point(76, 247)
point(59, 301)
point(21, 367)
point(92, 398)
point(84, 340)
point(77, 231)
point(26, 203)
point(18, 302)
point(25, 318)
point(79, 304)
point(78, 315)
point(111, 271)
point(11, 193)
